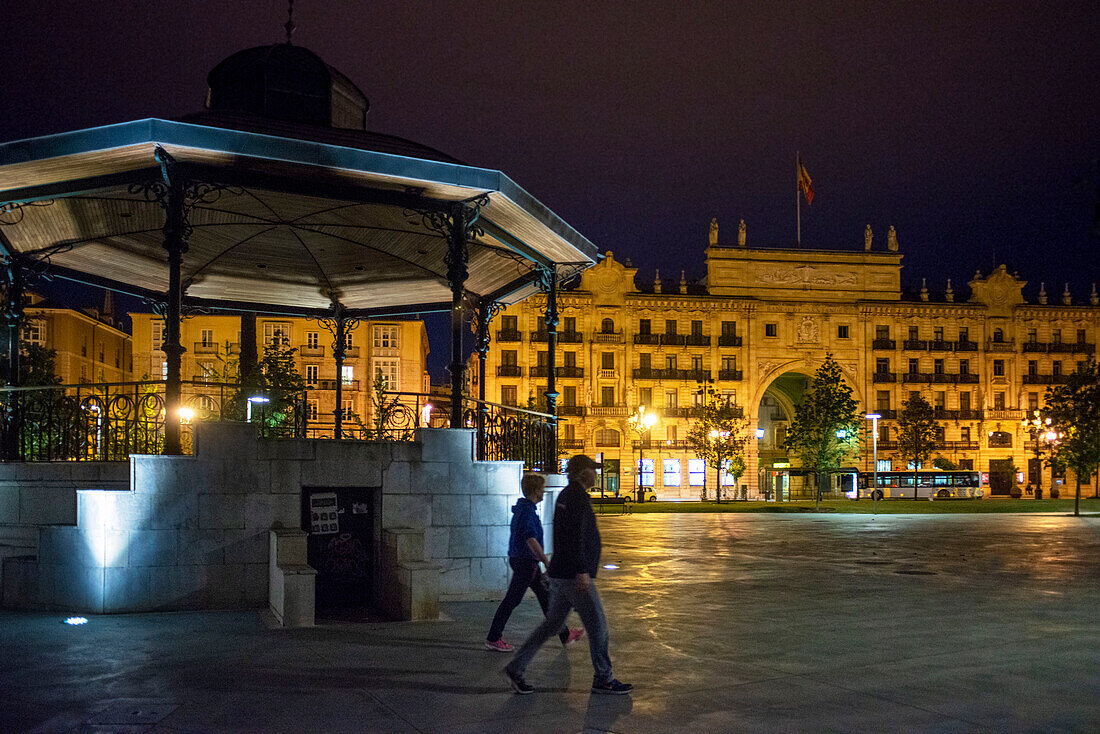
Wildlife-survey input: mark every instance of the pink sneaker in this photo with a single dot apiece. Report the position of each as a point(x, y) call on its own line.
point(574, 635)
point(499, 646)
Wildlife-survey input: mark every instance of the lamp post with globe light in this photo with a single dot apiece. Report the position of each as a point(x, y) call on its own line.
point(1041, 433)
point(640, 423)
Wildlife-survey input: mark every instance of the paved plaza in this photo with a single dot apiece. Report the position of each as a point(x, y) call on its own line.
point(736, 622)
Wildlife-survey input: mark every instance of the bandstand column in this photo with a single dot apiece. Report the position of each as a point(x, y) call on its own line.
point(175, 244)
point(485, 312)
point(339, 351)
point(13, 320)
point(550, 281)
point(456, 260)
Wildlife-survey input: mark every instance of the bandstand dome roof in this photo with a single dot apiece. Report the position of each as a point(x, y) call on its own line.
point(300, 205)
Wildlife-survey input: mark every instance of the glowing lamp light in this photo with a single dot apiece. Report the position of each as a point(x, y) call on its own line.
point(426, 414)
point(76, 621)
point(760, 433)
point(186, 414)
point(610, 566)
point(257, 400)
point(842, 433)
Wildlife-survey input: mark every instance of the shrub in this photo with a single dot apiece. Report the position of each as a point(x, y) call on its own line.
point(1055, 493)
point(1016, 493)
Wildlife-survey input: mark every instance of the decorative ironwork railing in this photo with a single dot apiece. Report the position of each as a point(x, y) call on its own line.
point(503, 433)
point(110, 421)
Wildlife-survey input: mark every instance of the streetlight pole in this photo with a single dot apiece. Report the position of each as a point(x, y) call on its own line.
point(640, 423)
point(1035, 427)
point(873, 417)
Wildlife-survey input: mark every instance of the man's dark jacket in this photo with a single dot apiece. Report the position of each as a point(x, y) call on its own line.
point(576, 537)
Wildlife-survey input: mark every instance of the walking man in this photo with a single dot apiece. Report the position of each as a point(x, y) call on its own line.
point(572, 574)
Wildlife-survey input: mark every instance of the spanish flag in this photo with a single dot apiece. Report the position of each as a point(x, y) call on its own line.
point(805, 185)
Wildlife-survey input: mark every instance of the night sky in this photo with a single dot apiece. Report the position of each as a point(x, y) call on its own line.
point(970, 126)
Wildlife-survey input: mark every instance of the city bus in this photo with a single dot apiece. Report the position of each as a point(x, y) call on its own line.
point(935, 484)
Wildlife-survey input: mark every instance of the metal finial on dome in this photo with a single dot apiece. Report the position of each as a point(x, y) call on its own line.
point(289, 25)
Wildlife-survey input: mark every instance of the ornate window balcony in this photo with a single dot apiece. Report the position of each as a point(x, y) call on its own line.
point(509, 336)
point(918, 344)
point(729, 340)
point(509, 370)
point(647, 338)
point(885, 377)
point(884, 344)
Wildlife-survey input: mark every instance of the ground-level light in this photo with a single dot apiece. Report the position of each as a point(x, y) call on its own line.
point(76, 621)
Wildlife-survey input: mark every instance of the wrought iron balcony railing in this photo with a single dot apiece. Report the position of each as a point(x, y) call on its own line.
point(729, 340)
point(570, 337)
point(884, 344)
point(940, 345)
point(696, 340)
point(964, 345)
point(673, 340)
point(915, 344)
point(577, 410)
point(509, 336)
point(731, 375)
point(647, 338)
point(884, 377)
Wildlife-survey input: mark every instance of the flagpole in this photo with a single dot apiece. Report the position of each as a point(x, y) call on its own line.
point(797, 197)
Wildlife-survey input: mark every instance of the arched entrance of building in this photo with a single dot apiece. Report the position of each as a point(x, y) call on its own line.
point(774, 414)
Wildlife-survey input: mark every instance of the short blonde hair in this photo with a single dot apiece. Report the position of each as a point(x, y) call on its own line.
point(530, 483)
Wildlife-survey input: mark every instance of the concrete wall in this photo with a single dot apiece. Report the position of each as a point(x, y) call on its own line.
point(192, 531)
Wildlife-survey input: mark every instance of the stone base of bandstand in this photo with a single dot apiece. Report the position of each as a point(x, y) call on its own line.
point(194, 532)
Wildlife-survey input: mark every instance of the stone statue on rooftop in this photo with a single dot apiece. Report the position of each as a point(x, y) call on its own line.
point(867, 237)
point(714, 231)
point(741, 233)
point(892, 239)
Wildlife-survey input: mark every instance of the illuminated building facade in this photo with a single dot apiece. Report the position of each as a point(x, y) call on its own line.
point(89, 345)
point(758, 327)
point(399, 349)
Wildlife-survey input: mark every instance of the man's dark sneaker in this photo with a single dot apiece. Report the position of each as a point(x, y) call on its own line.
point(613, 687)
point(519, 685)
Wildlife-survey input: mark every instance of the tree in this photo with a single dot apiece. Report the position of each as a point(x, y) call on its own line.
point(1074, 411)
point(276, 378)
point(717, 436)
point(917, 429)
point(825, 428)
point(37, 366)
point(385, 408)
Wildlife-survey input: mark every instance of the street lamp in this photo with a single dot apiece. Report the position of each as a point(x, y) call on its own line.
point(255, 399)
point(719, 437)
point(640, 423)
point(1035, 427)
point(873, 417)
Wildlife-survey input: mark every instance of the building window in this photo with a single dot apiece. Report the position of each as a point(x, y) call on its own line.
point(606, 437)
point(964, 400)
point(645, 396)
point(937, 366)
point(939, 399)
point(729, 328)
point(645, 326)
point(670, 434)
point(570, 325)
point(313, 339)
point(998, 368)
point(34, 332)
point(882, 332)
point(842, 331)
point(882, 366)
point(884, 433)
point(670, 361)
point(206, 337)
point(696, 363)
point(964, 366)
point(1080, 336)
point(158, 336)
point(645, 361)
point(646, 479)
point(508, 357)
point(163, 371)
point(771, 329)
point(508, 395)
point(697, 473)
point(607, 360)
point(570, 432)
point(670, 327)
point(967, 464)
point(998, 401)
point(914, 366)
point(670, 398)
point(390, 373)
point(914, 333)
point(207, 371)
point(998, 335)
point(569, 359)
point(882, 400)
point(347, 374)
point(607, 397)
point(728, 480)
point(509, 324)
point(542, 359)
point(311, 374)
point(964, 334)
point(276, 333)
point(1000, 440)
point(1032, 367)
point(569, 396)
point(385, 337)
point(672, 473)
point(964, 433)
point(1056, 368)
point(729, 364)
point(1056, 336)
point(348, 406)
point(937, 333)
point(607, 326)
point(313, 408)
